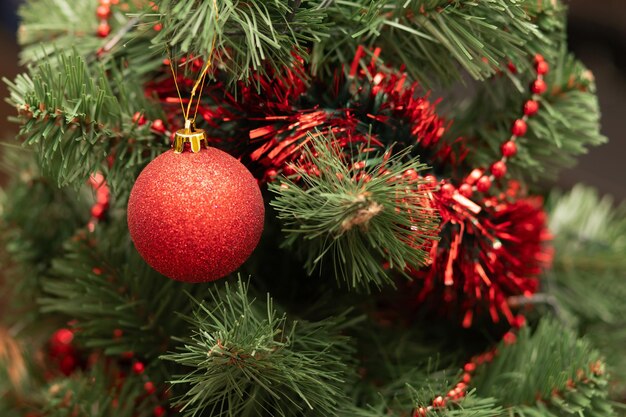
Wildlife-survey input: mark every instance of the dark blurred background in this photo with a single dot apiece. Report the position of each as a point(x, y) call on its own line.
point(597, 32)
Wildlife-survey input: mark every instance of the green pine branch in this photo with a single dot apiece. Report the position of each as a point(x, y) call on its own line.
point(36, 218)
point(589, 273)
point(73, 25)
point(244, 358)
point(97, 392)
point(437, 40)
point(242, 36)
point(103, 283)
point(356, 217)
point(81, 122)
point(548, 372)
point(588, 276)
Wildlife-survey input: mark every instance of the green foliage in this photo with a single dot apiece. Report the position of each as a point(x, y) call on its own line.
point(435, 39)
point(243, 36)
point(97, 393)
point(36, 218)
point(246, 359)
point(589, 273)
point(58, 30)
point(355, 217)
point(553, 369)
point(49, 27)
point(590, 242)
point(77, 120)
point(102, 281)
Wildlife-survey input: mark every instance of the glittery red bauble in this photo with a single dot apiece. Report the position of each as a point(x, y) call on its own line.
point(195, 217)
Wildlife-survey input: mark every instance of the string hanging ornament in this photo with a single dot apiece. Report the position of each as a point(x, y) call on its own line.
point(195, 213)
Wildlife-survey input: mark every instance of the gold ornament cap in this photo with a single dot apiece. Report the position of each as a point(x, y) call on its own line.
point(190, 135)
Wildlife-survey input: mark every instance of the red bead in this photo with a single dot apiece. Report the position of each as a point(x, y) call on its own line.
point(127, 355)
point(484, 184)
point(538, 87)
point(498, 169)
point(158, 126)
point(420, 412)
point(118, 333)
point(467, 378)
point(542, 67)
point(157, 27)
point(271, 173)
point(105, 2)
point(466, 190)
point(519, 127)
point(62, 337)
point(103, 30)
point(469, 367)
point(512, 68)
point(410, 174)
point(509, 338)
point(538, 58)
point(149, 387)
point(474, 176)
point(447, 190)
point(509, 148)
point(67, 365)
point(103, 12)
point(439, 402)
point(430, 180)
point(531, 107)
point(289, 170)
point(97, 211)
point(158, 411)
point(138, 368)
point(139, 119)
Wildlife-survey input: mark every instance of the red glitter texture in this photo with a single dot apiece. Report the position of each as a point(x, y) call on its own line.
point(484, 258)
point(195, 217)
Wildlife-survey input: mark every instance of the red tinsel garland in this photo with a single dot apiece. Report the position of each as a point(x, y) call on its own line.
point(490, 248)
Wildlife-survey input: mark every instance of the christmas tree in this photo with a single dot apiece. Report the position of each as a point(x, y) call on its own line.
point(306, 208)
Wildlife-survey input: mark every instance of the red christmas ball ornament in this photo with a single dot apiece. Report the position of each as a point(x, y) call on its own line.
point(195, 215)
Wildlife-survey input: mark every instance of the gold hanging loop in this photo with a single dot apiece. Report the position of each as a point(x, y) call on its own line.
point(189, 134)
